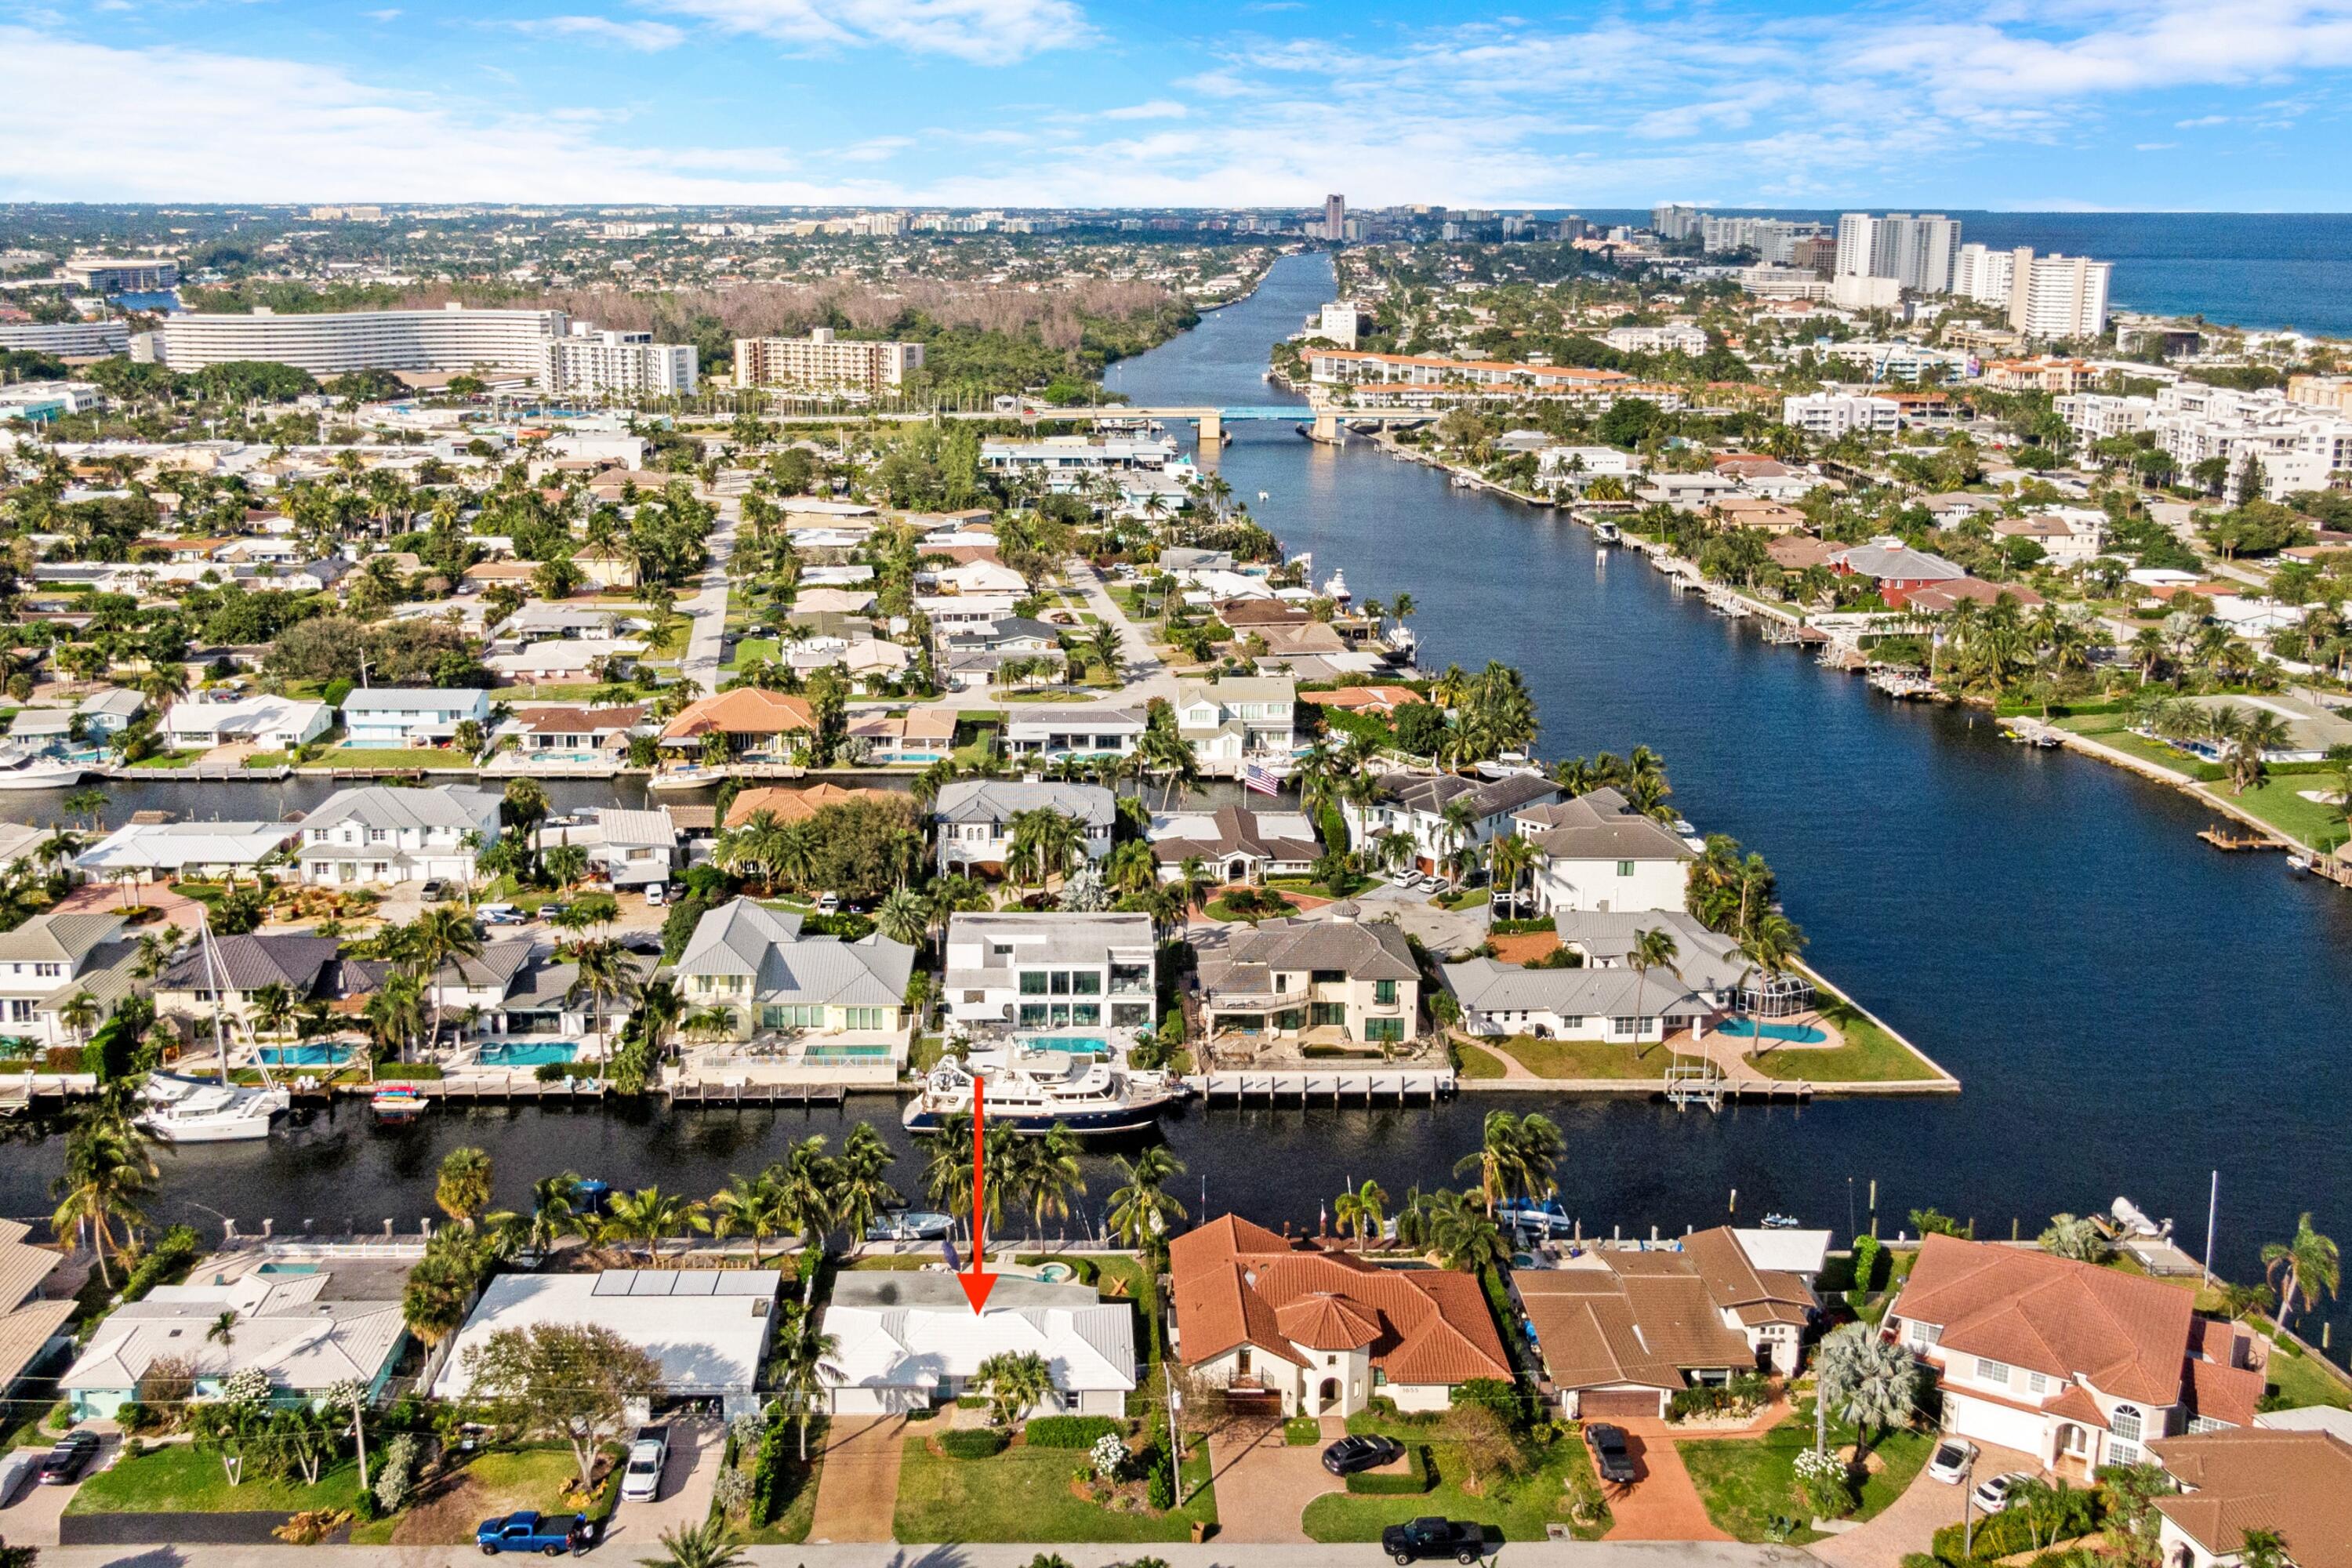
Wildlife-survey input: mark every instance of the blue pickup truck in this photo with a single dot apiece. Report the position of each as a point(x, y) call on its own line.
point(550, 1534)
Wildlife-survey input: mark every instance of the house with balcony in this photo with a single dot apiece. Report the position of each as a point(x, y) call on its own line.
point(410, 717)
point(1073, 734)
point(755, 726)
point(1335, 979)
point(796, 1000)
point(1237, 723)
point(51, 959)
point(625, 848)
point(1050, 970)
point(974, 817)
point(1237, 845)
point(1423, 806)
point(1596, 852)
point(389, 836)
point(2080, 1366)
point(565, 732)
point(305, 967)
point(1271, 1318)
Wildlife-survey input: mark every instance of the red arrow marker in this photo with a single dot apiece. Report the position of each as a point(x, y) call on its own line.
point(976, 1280)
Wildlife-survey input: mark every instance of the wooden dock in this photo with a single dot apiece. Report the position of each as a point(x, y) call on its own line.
point(1325, 1085)
point(2221, 836)
point(702, 1092)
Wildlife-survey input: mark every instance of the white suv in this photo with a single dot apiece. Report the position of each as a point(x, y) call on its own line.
point(648, 1456)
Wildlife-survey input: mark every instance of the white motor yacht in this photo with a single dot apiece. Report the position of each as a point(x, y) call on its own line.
point(1030, 1091)
point(190, 1110)
point(27, 770)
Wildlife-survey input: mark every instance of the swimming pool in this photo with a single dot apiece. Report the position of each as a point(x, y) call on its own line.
point(843, 1053)
point(1787, 1034)
point(527, 1053)
point(312, 1056)
point(1073, 1045)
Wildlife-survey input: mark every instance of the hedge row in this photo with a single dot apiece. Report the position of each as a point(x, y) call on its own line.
point(1412, 1482)
point(1072, 1431)
point(972, 1443)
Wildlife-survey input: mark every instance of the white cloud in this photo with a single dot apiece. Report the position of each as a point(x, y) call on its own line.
point(1213, 84)
point(982, 32)
point(386, 14)
point(876, 150)
point(1157, 108)
point(2154, 146)
point(648, 37)
point(2202, 120)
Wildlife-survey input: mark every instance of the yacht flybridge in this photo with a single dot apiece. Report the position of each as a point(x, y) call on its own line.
point(1030, 1091)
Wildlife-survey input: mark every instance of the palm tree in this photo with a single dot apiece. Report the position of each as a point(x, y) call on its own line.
point(1051, 1177)
point(272, 1009)
point(552, 1216)
point(805, 1188)
point(1515, 1154)
point(860, 1191)
point(1194, 883)
point(747, 1205)
point(1464, 1235)
point(2303, 1267)
point(905, 916)
point(709, 1544)
point(1142, 1212)
point(527, 807)
point(1363, 1211)
point(648, 1214)
point(1509, 858)
point(107, 1170)
point(797, 1370)
point(1045, 844)
point(223, 1331)
point(397, 1012)
point(81, 1013)
point(441, 935)
point(1017, 1381)
point(1652, 950)
point(1865, 1380)
point(604, 974)
point(462, 1191)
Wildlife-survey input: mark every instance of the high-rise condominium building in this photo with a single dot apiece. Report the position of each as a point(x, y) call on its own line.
point(110, 275)
point(1983, 274)
point(86, 339)
point(822, 363)
point(1674, 221)
point(1334, 218)
point(453, 337)
point(1917, 252)
point(2057, 296)
point(590, 363)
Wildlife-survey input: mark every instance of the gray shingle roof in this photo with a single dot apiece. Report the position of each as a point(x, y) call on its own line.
point(1485, 797)
point(1484, 985)
point(1600, 825)
point(744, 938)
point(449, 805)
point(1377, 951)
point(1001, 800)
point(251, 963)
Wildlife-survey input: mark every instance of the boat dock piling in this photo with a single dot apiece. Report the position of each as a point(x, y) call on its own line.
point(1314, 1088)
point(698, 1091)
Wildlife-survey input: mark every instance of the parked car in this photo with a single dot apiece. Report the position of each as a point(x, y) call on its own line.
point(1992, 1495)
point(550, 1535)
point(434, 892)
point(1951, 1461)
point(67, 1460)
point(648, 1455)
point(501, 915)
point(829, 904)
point(1611, 1456)
point(1362, 1452)
point(1465, 1540)
point(553, 908)
point(657, 894)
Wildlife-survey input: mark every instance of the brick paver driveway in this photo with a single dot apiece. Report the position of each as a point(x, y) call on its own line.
point(1911, 1520)
point(1263, 1483)
point(1662, 1504)
point(857, 1490)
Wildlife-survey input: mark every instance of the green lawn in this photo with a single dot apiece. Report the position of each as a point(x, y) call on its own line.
point(1870, 1055)
point(1477, 1062)
point(1747, 1481)
point(2109, 729)
point(1024, 1494)
point(2280, 803)
point(1518, 1506)
point(390, 757)
point(168, 760)
point(2300, 1381)
point(1584, 1059)
point(175, 1478)
point(265, 759)
point(750, 648)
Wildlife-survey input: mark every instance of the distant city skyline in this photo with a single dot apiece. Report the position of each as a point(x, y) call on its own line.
point(2072, 105)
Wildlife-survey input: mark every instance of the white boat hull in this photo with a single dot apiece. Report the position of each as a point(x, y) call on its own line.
point(41, 778)
point(208, 1130)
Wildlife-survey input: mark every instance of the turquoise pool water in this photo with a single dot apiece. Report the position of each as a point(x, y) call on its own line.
point(1074, 1045)
point(527, 1053)
point(843, 1053)
point(1790, 1034)
point(304, 1056)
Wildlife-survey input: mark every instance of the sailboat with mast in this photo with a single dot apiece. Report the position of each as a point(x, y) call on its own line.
point(183, 1109)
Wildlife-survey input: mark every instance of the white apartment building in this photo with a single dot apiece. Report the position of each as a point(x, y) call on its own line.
point(1830, 414)
point(1783, 283)
point(1983, 273)
point(122, 275)
point(2058, 296)
point(1674, 338)
point(1051, 969)
point(79, 339)
point(588, 361)
point(822, 363)
point(2095, 415)
point(1674, 221)
point(1774, 240)
point(1918, 253)
point(2298, 445)
point(453, 337)
point(1343, 321)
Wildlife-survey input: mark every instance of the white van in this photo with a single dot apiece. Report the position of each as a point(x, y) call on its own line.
point(657, 894)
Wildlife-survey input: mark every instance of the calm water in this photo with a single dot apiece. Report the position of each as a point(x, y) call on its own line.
point(2128, 1010)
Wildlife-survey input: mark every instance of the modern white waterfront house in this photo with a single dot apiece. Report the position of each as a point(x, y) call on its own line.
point(270, 723)
point(1240, 722)
point(412, 717)
point(911, 1341)
point(1050, 970)
point(1415, 804)
point(1596, 852)
point(388, 836)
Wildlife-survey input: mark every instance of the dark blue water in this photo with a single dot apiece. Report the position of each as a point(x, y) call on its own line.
point(2248, 270)
point(2128, 1010)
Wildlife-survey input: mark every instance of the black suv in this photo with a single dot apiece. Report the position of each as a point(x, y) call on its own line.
point(1360, 1452)
point(1464, 1540)
point(1609, 1455)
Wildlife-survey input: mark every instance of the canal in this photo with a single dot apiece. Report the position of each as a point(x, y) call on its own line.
point(2128, 1011)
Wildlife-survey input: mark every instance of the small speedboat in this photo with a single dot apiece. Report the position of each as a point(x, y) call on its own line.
point(909, 1224)
point(1782, 1222)
point(397, 1104)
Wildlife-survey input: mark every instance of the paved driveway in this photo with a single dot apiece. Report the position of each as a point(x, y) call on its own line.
point(32, 1519)
point(696, 1445)
point(857, 1490)
point(1263, 1483)
point(1911, 1520)
point(1663, 1503)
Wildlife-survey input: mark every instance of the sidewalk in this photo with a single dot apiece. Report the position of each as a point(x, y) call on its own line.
point(1216, 1554)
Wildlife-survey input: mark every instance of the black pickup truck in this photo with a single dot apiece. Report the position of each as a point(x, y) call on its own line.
point(1427, 1538)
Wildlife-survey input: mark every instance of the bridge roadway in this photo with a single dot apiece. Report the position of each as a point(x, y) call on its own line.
point(1326, 418)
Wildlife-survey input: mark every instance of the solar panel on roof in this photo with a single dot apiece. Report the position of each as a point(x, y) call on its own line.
point(695, 1282)
point(653, 1282)
point(747, 1282)
point(613, 1283)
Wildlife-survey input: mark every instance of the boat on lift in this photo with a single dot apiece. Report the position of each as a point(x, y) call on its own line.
point(397, 1104)
point(1335, 588)
point(1032, 1091)
point(1606, 531)
point(183, 1110)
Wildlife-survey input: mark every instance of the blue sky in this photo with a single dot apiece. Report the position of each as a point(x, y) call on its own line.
point(2141, 104)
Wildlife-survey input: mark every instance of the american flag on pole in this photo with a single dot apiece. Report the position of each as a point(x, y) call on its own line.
point(1260, 779)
